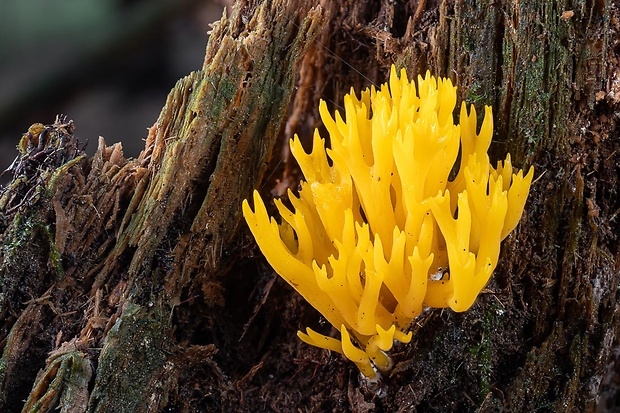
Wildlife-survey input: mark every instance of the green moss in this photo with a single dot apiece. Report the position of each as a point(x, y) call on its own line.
point(58, 172)
point(20, 236)
point(227, 88)
point(54, 256)
point(483, 351)
point(137, 341)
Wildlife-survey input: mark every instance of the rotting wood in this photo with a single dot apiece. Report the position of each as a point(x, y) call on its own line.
point(149, 255)
point(118, 241)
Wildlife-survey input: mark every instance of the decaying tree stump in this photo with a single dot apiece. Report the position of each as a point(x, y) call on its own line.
point(132, 285)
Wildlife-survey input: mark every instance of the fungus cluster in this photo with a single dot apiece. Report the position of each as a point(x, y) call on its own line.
point(406, 213)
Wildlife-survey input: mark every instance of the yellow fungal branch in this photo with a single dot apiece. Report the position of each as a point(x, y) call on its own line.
point(381, 231)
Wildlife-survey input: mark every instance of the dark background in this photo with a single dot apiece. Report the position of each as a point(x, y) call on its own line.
point(106, 64)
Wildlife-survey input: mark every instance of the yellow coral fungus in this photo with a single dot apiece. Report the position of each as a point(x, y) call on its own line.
point(381, 231)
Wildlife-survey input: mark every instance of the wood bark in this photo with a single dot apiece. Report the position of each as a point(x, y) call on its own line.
point(132, 284)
